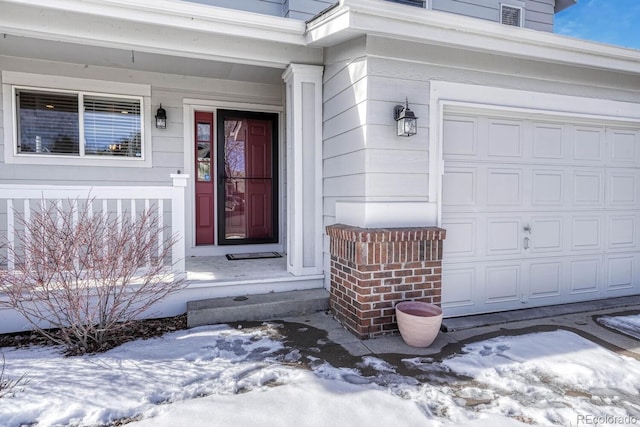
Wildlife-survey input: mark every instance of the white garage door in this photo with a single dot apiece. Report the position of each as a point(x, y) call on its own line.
point(538, 212)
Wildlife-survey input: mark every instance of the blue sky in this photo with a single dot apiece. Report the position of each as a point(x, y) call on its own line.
point(614, 22)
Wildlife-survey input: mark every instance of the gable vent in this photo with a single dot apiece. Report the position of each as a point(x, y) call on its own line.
point(511, 15)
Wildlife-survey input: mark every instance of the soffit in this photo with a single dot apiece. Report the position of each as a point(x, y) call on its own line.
point(563, 4)
point(164, 27)
point(48, 50)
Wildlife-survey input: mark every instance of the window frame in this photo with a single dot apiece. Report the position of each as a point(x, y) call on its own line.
point(12, 82)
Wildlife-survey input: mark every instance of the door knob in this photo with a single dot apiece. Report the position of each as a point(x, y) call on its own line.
point(527, 228)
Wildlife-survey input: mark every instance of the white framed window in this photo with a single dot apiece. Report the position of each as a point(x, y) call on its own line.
point(69, 121)
point(512, 14)
point(77, 124)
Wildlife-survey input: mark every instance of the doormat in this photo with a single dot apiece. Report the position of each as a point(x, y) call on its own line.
point(257, 255)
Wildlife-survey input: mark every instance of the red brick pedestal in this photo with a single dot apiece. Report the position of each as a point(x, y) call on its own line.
point(373, 269)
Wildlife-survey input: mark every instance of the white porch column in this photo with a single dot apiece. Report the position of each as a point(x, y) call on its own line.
point(178, 225)
point(304, 168)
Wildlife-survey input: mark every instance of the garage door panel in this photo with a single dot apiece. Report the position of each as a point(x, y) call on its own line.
point(547, 187)
point(505, 138)
point(462, 136)
point(548, 142)
point(504, 187)
point(621, 272)
point(588, 144)
point(461, 286)
point(588, 188)
point(504, 236)
point(459, 187)
point(586, 233)
point(585, 275)
point(545, 279)
point(623, 232)
point(502, 283)
point(547, 234)
point(461, 238)
point(623, 188)
point(623, 147)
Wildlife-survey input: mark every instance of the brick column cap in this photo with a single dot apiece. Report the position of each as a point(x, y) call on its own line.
point(375, 235)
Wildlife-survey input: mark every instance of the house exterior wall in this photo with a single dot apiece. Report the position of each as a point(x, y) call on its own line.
point(344, 127)
point(364, 159)
point(304, 9)
point(396, 169)
point(294, 9)
point(167, 144)
point(171, 147)
point(267, 7)
point(538, 14)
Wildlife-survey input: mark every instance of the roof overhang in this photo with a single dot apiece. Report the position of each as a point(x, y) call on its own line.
point(355, 18)
point(166, 27)
point(563, 4)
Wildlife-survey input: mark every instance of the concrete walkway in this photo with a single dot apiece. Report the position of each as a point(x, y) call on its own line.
point(320, 331)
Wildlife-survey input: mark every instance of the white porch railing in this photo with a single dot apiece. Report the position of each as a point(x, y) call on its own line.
point(109, 200)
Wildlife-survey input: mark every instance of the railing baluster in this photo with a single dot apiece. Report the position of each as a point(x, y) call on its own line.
point(119, 214)
point(104, 230)
point(27, 231)
point(10, 235)
point(160, 226)
point(58, 204)
point(74, 225)
point(133, 211)
point(148, 231)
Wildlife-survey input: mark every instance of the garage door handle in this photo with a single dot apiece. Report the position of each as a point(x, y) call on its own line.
point(526, 243)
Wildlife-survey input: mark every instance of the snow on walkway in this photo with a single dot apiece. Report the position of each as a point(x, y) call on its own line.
point(629, 325)
point(218, 376)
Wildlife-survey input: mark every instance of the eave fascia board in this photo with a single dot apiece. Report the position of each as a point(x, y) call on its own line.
point(180, 14)
point(354, 18)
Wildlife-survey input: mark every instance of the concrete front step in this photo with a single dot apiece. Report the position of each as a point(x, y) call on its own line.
point(256, 307)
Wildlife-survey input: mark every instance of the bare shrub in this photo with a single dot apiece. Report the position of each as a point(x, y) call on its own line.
point(8, 386)
point(86, 274)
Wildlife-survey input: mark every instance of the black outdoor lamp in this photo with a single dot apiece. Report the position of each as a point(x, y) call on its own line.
point(161, 118)
point(407, 122)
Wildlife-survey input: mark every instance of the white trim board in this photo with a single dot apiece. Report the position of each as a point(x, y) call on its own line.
point(449, 97)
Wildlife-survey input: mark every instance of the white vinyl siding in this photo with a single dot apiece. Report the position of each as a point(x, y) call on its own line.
point(294, 9)
point(538, 14)
point(267, 7)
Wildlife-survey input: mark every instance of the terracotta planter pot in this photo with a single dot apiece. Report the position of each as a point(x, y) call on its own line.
point(419, 322)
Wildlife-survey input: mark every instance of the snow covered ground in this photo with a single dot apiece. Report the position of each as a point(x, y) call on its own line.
point(219, 376)
point(629, 325)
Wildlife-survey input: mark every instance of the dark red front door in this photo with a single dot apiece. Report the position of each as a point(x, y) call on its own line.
point(247, 184)
point(205, 214)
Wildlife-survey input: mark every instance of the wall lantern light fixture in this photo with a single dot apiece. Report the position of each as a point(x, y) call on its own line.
point(406, 121)
point(161, 118)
